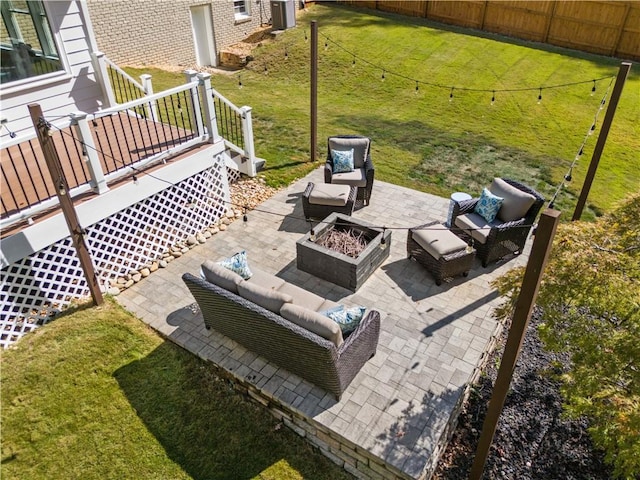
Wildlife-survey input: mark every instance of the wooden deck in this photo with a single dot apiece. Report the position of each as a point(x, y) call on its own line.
point(121, 140)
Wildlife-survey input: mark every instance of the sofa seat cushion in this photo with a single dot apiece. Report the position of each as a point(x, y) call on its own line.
point(265, 280)
point(265, 297)
point(221, 276)
point(313, 321)
point(327, 305)
point(301, 297)
point(438, 241)
point(516, 203)
point(357, 178)
point(474, 224)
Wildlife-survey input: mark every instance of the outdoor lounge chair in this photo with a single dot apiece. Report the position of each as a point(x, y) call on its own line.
point(508, 232)
point(361, 172)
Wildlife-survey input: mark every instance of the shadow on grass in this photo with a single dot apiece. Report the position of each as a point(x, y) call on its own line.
point(206, 427)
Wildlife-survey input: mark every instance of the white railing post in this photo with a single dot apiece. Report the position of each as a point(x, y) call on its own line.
point(196, 116)
point(210, 120)
point(152, 109)
point(100, 67)
point(89, 152)
point(247, 133)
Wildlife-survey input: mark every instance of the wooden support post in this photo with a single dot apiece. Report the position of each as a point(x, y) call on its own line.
point(602, 138)
point(66, 204)
point(314, 88)
point(521, 316)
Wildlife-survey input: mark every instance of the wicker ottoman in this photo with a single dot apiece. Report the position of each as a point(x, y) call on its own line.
point(321, 200)
point(440, 251)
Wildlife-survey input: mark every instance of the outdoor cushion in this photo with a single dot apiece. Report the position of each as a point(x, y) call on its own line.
point(327, 304)
point(221, 276)
point(438, 241)
point(342, 160)
point(516, 203)
point(265, 280)
point(488, 205)
point(475, 225)
point(329, 194)
point(301, 297)
point(238, 263)
point(346, 318)
point(313, 321)
point(360, 148)
point(265, 297)
point(357, 178)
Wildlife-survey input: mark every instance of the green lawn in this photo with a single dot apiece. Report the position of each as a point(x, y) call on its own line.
point(422, 140)
point(98, 395)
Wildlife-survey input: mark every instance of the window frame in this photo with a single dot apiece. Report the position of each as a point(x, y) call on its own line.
point(241, 9)
point(50, 44)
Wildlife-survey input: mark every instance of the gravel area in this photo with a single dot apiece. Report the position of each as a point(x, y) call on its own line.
point(532, 440)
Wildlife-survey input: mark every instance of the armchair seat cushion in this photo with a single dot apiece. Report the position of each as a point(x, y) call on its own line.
point(357, 178)
point(474, 225)
point(516, 202)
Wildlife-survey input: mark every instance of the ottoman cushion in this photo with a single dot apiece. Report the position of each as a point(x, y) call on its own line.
point(438, 241)
point(328, 194)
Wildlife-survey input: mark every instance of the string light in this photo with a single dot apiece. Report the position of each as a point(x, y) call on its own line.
point(11, 133)
point(266, 70)
point(593, 89)
point(386, 71)
point(383, 241)
point(312, 234)
point(593, 128)
point(493, 98)
point(382, 75)
point(353, 64)
point(306, 38)
point(569, 176)
point(417, 87)
point(135, 180)
point(245, 219)
point(286, 54)
point(240, 81)
point(451, 94)
point(61, 189)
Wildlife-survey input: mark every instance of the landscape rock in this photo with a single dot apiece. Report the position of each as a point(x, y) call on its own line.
point(145, 272)
point(136, 277)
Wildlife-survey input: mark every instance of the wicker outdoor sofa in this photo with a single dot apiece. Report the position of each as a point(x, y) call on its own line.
point(327, 363)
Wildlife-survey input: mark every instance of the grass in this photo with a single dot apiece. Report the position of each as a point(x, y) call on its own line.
point(422, 140)
point(97, 394)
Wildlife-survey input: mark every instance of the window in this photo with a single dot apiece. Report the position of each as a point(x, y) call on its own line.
point(241, 8)
point(26, 42)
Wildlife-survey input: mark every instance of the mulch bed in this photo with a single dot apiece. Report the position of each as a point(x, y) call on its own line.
point(533, 440)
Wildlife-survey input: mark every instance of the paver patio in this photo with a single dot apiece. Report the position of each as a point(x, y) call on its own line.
point(394, 418)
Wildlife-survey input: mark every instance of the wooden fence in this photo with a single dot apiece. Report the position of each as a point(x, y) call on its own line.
point(603, 27)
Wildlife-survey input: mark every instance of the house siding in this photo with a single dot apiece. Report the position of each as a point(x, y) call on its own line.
point(75, 90)
point(159, 33)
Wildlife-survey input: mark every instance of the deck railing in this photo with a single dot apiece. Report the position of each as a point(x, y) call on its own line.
point(98, 149)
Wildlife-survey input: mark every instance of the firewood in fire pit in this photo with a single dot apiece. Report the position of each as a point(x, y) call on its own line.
point(348, 242)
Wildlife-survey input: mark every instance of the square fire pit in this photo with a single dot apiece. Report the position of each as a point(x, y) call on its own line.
point(339, 268)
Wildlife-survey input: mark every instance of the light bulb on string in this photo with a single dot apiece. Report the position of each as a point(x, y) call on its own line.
point(61, 189)
point(239, 81)
point(493, 98)
point(383, 241)
point(286, 54)
point(353, 63)
point(417, 87)
point(326, 45)
point(593, 89)
point(306, 38)
point(451, 94)
point(245, 219)
point(568, 177)
point(592, 129)
point(382, 78)
point(179, 108)
point(312, 234)
point(135, 180)
point(540, 96)
point(266, 70)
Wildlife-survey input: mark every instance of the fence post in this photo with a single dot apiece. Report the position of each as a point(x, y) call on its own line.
point(247, 133)
point(100, 66)
point(521, 315)
point(89, 152)
point(210, 119)
point(152, 110)
point(196, 115)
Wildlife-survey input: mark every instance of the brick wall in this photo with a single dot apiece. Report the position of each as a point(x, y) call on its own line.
point(152, 32)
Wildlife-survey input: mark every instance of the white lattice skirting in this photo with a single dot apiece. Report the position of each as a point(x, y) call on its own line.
point(35, 288)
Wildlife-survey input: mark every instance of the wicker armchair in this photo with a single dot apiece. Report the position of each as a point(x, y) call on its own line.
point(362, 176)
point(509, 231)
